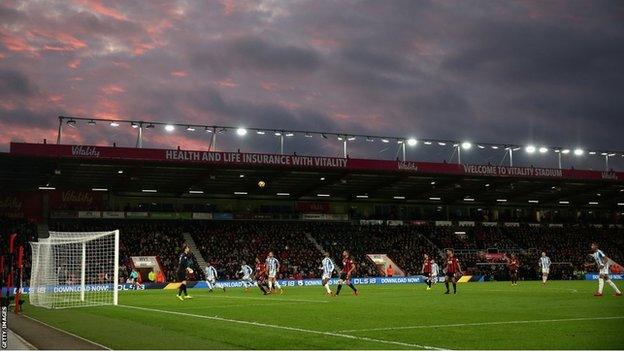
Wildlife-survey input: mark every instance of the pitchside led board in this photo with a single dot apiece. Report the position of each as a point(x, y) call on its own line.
point(288, 282)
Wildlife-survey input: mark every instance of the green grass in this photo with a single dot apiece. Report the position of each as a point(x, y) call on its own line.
point(304, 318)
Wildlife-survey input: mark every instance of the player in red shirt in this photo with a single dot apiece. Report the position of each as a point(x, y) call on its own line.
point(260, 276)
point(348, 267)
point(452, 270)
point(513, 265)
point(426, 270)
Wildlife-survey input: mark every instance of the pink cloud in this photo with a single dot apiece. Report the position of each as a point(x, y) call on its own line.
point(269, 86)
point(14, 43)
point(97, 7)
point(231, 6)
point(179, 73)
point(106, 108)
point(73, 64)
point(141, 48)
point(6, 104)
point(122, 64)
point(33, 134)
point(226, 83)
point(341, 116)
point(324, 43)
point(59, 41)
point(111, 89)
point(55, 98)
point(107, 115)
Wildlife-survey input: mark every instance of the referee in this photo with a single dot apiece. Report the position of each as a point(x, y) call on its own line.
point(184, 267)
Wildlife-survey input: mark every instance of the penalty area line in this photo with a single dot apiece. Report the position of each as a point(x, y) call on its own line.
point(482, 323)
point(274, 326)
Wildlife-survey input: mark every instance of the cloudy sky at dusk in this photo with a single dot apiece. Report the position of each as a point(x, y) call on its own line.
point(544, 72)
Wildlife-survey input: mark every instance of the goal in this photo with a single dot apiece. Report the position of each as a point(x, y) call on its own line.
point(75, 269)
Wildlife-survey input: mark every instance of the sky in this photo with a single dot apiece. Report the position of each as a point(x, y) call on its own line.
point(520, 72)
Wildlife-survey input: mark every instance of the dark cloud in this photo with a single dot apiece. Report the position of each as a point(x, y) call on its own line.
point(24, 117)
point(374, 60)
point(545, 53)
point(258, 53)
point(15, 84)
point(8, 15)
point(255, 54)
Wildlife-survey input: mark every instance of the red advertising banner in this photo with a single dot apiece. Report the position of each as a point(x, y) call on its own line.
point(295, 161)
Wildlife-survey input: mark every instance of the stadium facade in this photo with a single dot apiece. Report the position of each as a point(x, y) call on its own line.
point(51, 180)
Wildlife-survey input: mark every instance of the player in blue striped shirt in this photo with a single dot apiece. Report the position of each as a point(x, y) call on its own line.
point(328, 269)
point(211, 278)
point(272, 266)
point(246, 272)
point(603, 262)
point(544, 264)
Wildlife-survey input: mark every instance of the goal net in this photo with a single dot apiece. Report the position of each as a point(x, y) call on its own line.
point(75, 269)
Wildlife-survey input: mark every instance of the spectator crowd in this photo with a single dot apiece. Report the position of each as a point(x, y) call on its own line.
point(299, 245)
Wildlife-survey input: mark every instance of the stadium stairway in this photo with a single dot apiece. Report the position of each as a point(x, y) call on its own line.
point(188, 239)
point(315, 243)
point(433, 245)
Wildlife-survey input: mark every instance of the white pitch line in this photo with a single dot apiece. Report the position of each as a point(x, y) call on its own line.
point(243, 305)
point(532, 290)
point(482, 323)
point(267, 298)
point(264, 325)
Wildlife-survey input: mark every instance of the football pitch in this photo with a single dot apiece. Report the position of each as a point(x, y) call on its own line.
point(560, 315)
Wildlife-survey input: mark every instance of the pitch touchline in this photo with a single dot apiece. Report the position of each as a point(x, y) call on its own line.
point(310, 331)
point(482, 323)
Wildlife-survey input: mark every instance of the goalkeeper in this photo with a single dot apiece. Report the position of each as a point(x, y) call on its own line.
point(184, 267)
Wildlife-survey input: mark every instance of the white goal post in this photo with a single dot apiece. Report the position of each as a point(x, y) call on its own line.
point(75, 269)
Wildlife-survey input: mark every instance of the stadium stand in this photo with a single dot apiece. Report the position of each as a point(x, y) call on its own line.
point(227, 243)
